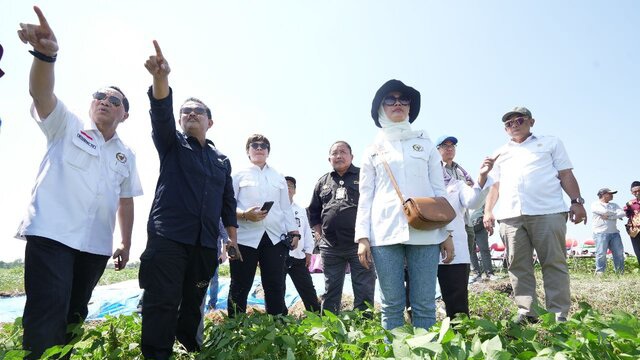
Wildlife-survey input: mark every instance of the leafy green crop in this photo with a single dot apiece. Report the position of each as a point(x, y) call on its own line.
point(357, 335)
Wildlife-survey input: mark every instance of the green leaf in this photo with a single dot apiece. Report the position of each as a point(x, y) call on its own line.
point(421, 341)
point(486, 325)
point(492, 346)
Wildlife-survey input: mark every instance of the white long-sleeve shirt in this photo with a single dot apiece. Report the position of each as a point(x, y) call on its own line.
point(415, 164)
point(305, 243)
point(253, 187)
point(463, 197)
point(613, 211)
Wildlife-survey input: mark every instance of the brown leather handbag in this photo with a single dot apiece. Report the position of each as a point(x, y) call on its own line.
point(423, 213)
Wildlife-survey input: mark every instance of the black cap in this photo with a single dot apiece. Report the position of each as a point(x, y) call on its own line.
point(396, 85)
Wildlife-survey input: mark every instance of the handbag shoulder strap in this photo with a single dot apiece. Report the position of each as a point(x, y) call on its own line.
point(388, 170)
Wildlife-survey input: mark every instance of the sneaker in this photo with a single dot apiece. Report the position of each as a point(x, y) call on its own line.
point(492, 277)
point(561, 319)
point(599, 273)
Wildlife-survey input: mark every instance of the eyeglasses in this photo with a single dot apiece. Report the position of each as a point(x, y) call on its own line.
point(112, 99)
point(189, 110)
point(391, 100)
point(259, 145)
point(514, 122)
point(447, 146)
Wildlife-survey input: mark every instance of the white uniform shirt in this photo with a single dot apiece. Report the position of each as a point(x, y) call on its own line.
point(79, 184)
point(253, 187)
point(528, 176)
point(305, 243)
point(415, 164)
point(462, 197)
point(613, 212)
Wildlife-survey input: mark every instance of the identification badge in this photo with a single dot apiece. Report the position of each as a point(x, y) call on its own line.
point(341, 193)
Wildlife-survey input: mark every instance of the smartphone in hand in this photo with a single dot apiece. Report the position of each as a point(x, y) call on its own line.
point(267, 206)
point(118, 264)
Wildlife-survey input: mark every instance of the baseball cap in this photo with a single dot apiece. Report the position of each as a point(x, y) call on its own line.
point(517, 110)
point(605, 191)
point(444, 138)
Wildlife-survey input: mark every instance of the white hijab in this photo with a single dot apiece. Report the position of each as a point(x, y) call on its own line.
point(395, 130)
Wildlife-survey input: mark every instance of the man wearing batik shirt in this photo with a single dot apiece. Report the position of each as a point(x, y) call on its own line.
point(632, 209)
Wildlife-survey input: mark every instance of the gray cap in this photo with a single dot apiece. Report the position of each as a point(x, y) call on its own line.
point(517, 110)
point(605, 191)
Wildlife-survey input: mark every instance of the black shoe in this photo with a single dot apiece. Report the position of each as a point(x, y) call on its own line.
point(523, 319)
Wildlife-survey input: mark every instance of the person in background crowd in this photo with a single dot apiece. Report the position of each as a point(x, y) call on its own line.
point(298, 261)
point(332, 214)
point(484, 266)
point(87, 177)
point(605, 231)
point(453, 276)
point(632, 210)
point(447, 147)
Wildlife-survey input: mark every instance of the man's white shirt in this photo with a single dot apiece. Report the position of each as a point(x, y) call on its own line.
point(79, 184)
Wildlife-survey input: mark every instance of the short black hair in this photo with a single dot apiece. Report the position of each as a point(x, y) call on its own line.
point(341, 142)
point(635, 183)
point(291, 179)
point(125, 102)
point(194, 99)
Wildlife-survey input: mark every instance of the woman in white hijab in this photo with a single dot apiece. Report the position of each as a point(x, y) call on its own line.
point(382, 231)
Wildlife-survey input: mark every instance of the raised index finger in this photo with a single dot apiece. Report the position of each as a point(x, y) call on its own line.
point(43, 21)
point(158, 50)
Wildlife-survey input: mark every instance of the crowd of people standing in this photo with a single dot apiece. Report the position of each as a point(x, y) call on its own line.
point(204, 211)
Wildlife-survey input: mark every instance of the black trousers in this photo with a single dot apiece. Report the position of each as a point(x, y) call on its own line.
point(299, 273)
point(58, 281)
point(175, 277)
point(453, 280)
point(635, 242)
point(272, 262)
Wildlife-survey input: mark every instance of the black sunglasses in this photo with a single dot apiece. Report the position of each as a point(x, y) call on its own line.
point(259, 145)
point(189, 110)
point(514, 122)
point(391, 100)
point(112, 99)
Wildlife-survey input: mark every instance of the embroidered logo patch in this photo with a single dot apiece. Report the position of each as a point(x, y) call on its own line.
point(84, 137)
point(418, 147)
point(121, 157)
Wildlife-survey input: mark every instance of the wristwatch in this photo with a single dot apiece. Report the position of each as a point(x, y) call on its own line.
point(578, 200)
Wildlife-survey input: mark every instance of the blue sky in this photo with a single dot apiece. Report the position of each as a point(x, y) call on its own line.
point(303, 73)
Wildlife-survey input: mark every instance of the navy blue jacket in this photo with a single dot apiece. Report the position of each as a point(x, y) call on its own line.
point(194, 189)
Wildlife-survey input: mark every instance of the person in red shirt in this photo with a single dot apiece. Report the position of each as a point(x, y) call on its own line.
point(632, 209)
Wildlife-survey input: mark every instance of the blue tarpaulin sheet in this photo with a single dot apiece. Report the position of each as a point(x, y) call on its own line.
point(123, 297)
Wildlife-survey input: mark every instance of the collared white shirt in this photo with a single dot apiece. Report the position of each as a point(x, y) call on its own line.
point(462, 197)
point(415, 164)
point(305, 243)
point(79, 184)
point(613, 212)
point(253, 187)
point(528, 177)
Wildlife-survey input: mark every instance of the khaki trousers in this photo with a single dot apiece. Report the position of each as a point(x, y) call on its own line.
point(546, 235)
